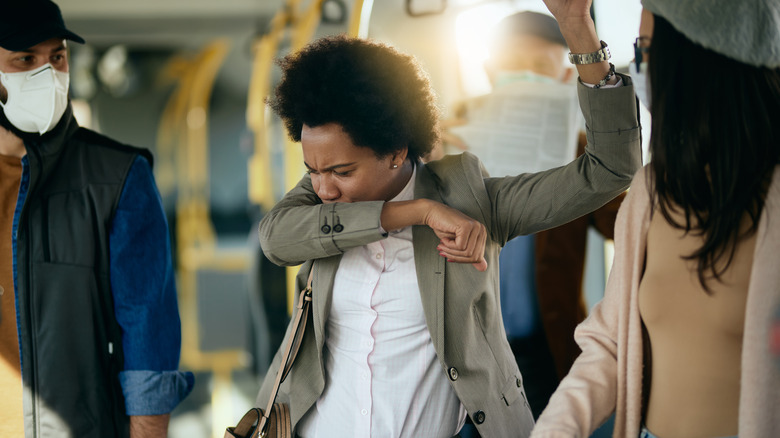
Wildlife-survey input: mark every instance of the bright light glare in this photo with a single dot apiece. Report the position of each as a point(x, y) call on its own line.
point(472, 34)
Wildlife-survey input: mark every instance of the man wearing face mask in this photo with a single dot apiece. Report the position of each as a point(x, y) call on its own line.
point(89, 324)
point(540, 275)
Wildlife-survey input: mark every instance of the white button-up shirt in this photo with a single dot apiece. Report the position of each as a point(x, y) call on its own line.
point(382, 377)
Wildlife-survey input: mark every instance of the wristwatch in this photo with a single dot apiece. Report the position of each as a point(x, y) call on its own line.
point(591, 58)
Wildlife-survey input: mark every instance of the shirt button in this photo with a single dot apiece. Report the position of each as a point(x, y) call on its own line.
point(519, 382)
point(379, 256)
point(453, 374)
point(364, 412)
point(479, 417)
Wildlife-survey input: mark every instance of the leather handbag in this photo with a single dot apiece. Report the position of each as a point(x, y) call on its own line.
point(274, 421)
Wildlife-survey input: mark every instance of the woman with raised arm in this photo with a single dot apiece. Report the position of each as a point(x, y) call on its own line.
point(679, 346)
point(403, 343)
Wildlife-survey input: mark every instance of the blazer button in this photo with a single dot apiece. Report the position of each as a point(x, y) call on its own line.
point(519, 382)
point(453, 374)
point(325, 229)
point(479, 417)
point(338, 228)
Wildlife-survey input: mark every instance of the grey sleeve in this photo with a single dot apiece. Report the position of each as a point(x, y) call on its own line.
point(300, 227)
point(529, 203)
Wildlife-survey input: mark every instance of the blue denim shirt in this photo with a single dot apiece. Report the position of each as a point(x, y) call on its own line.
point(144, 291)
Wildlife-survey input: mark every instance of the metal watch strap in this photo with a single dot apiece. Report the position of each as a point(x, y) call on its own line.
point(591, 58)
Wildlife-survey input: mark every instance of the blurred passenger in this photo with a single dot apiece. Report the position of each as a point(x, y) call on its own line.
point(89, 325)
point(680, 344)
point(540, 275)
point(406, 338)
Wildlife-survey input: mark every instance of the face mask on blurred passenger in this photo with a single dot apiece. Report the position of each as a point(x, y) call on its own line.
point(37, 99)
point(641, 83)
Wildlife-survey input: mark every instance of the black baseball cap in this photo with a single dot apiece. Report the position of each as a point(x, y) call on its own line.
point(25, 23)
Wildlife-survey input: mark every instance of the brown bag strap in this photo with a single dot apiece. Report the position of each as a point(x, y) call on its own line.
point(245, 425)
point(293, 345)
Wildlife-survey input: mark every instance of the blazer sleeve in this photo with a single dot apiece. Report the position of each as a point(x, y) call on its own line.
point(300, 227)
point(589, 393)
point(533, 202)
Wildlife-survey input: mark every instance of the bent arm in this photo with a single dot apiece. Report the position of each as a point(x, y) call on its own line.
point(301, 228)
point(529, 203)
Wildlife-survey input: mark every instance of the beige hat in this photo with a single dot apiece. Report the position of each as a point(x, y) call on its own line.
point(745, 30)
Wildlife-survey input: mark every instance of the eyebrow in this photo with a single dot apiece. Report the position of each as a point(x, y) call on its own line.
point(57, 49)
point(327, 169)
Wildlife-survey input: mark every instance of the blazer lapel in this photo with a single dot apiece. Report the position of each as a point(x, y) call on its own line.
point(427, 260)
point(322, 293)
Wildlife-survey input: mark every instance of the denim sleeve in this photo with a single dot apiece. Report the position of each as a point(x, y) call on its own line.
point(142, 283)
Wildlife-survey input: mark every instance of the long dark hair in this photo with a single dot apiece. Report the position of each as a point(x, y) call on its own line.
point(714, 144)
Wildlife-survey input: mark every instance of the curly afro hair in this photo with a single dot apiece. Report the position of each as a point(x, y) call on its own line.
point(380, 97)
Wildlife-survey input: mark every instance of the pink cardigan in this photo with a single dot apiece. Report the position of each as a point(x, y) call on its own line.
point(607, 376)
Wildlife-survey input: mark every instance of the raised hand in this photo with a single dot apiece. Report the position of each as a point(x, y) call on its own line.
point(577, 27)
point(566, 9)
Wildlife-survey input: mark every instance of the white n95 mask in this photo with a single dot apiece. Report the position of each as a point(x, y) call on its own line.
point(641, 82)
point(37, 99)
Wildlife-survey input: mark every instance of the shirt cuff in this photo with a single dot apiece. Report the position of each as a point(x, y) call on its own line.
point(619, 83)
point(154, 392)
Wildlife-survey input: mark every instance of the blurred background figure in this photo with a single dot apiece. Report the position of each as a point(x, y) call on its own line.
point(531, 122)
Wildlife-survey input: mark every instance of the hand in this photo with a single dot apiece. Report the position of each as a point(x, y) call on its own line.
point(462, 239)
point(563, 10)
point(578, 29)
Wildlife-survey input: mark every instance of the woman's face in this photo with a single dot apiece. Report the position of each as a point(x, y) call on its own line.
point(646, 28)
point(343, 172)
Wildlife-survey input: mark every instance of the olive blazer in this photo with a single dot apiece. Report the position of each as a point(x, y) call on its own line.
point(461, 305)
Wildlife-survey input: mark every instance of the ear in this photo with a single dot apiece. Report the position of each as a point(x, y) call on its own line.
point(399, 156)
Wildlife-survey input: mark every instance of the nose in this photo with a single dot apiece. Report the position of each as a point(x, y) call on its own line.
point(326, 189)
